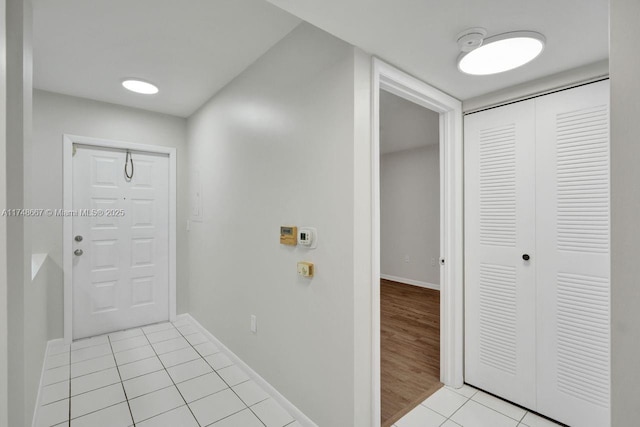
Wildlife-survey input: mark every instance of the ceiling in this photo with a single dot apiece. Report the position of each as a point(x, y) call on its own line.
point(188, 48)
point(420, 36)
point(193, 48)
point(405, 125)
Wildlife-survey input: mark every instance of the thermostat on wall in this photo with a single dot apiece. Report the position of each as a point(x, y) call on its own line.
point(308, 236)
point(289, 235)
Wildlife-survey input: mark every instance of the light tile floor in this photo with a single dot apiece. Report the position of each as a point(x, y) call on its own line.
point(469, 407)
point(155, 376)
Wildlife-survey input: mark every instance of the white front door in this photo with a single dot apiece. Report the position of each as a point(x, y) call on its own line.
point(120, 240)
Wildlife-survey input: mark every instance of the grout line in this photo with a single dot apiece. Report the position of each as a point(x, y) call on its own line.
point(93, 372)
point(134, 361)
point(199, 376)
point(152, 391)
point(121, 382)
point(223, 380)
point(95, 389)
point(86, 340)
point(124, 338)
point(522, 417)
point(98, 410)
point(69, 414)
point(204, 397)
point(52, 402)
point(230, 415)
point(174, 383)
point(262, 401)
point(142, 375)
point(132, 348)
point(504, 401)
point(167, 411)
point(439, 413)
point(454, 412)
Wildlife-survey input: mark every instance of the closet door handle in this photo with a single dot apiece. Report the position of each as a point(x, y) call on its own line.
point(526, 257)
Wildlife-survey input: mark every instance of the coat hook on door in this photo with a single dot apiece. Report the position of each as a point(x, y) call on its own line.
point(128, 159)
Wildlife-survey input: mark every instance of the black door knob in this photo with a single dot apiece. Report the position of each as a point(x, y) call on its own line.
point(526, 257)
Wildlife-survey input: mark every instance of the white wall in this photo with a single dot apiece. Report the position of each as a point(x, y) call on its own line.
point(410, 214)
point(36, 334)
point(4, 303)
point(276, 147)
point(55, 115)
point(583, 74)
point(625, 205)
point(405, 124)
point(362, 238)
point(18, 167)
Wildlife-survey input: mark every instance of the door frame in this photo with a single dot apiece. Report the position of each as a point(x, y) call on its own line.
point(67, 230)
point(391, 79)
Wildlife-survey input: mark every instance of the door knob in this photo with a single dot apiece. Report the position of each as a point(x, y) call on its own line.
point(78, 238)
point(78, 252)
point(526, 257)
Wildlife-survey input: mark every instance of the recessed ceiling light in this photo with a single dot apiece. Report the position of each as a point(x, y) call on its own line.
point(140, 86)
point(502, 53)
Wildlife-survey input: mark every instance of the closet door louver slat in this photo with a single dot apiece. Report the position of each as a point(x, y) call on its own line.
point(499, 285)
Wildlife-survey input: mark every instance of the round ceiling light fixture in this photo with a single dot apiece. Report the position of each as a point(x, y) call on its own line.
point(140, 86)
point(497, 54)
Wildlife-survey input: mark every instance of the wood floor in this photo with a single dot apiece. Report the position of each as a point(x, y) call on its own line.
point(410, 347)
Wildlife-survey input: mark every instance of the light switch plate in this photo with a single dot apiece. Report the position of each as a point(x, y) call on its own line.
point(254, 324)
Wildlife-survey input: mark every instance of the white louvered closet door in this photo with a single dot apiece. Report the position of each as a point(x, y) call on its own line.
point(572, 179)
point(499, 229)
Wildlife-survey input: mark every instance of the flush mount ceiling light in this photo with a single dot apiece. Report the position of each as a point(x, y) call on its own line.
point(499, 53)
point(140, 86)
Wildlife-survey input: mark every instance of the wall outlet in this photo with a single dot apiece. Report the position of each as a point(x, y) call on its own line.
point(305, 269)
point(254, 324)
point(407, 259)
point(433, 262)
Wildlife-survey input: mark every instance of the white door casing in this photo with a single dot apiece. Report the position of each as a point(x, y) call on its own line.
point(143, 269)
point(391, 79)
point(500, 229)
point(573, 287)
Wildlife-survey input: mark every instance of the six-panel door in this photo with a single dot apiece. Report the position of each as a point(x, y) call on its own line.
point(121, 275)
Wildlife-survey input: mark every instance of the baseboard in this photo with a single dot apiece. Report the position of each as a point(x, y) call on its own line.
point(411, 282)
point(283, 401)
point(34, 420)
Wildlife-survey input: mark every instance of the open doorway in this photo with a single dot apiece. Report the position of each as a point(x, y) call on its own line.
point(409, 255)
point(442, 362)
